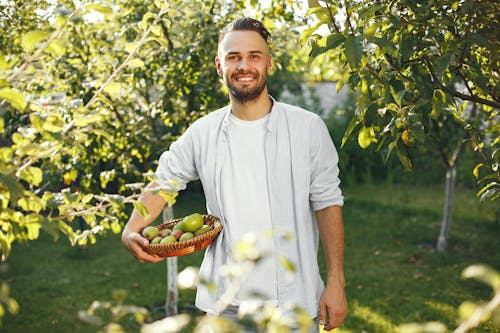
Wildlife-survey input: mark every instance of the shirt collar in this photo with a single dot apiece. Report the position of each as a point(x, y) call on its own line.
point(271, 124)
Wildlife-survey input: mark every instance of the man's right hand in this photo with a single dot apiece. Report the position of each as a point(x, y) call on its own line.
point(136, 245)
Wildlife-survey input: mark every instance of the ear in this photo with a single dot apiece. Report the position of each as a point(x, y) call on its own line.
point(269, 63)
point(218, 66)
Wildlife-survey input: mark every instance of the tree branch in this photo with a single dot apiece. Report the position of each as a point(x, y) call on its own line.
point(472, 98)
point(348, 17)
point(332, 18)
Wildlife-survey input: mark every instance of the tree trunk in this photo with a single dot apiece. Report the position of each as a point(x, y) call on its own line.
point(172, 291)
point(451, 175)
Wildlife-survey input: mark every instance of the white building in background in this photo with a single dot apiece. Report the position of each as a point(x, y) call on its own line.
point(317, 94)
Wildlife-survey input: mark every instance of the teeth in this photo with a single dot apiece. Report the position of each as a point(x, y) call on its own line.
point(245, 79)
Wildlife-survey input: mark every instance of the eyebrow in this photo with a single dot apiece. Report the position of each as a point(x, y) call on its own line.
point(238, 52)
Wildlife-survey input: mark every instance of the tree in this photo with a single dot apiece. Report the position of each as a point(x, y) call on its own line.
point(90, 95)
point(425, 73)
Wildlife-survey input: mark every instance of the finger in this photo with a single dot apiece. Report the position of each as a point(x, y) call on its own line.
point(322, 314)
point(335, 320)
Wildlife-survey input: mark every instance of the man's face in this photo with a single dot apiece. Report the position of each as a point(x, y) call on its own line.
point(243, 62)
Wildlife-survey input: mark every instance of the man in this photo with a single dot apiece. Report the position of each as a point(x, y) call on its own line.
point(264, 165)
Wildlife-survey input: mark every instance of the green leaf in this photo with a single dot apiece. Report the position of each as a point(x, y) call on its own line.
point(304, 36)
point(444, 62)
point(113, 89)
point(32, 175)
point(141, 209)
point(156, 30)
point(321, 13)
point(333, 40)
point(100, 8)
point(136, 63)
point(369, 32)
point(83, 120)
point(403, 156)
point(398, 97)
point(15, 189)
point(53, 123)
point(353, 51)
point(30, 39)
point(475, 172)
point(352, 125)
point(14, 98)
point(2, 125)
point(56, 48)
point(87, 198)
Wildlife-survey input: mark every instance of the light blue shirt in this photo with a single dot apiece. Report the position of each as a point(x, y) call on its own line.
point(303, 177)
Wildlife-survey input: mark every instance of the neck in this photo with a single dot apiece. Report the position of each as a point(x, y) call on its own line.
point(254, 109)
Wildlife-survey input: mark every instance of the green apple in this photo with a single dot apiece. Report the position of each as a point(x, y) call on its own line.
point(186, 236)
point(168, 240)
point(204, 228)
point(165, 232)
point(156, 240)
point(150, 232)
point(192, 222)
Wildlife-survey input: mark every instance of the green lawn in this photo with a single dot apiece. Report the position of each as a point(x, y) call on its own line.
point(393, 274)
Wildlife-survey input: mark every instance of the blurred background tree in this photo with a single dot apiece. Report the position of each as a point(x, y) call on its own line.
point(425, 77)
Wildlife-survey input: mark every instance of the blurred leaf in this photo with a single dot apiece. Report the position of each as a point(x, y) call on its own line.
point(403, 156)
point(14, 97)
point(32, 175)
point(287, 264)
point(141, 209)
point(56, 48)
point(484, 274)
point(136, 63)
point(30, 39)
point(113, 89)
point(431, 327)
point(100, 8)
point(53, 123)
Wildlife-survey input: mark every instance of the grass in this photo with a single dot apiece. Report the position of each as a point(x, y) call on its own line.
point(393, 274)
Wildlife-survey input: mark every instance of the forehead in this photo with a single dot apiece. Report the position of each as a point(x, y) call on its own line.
point(242, 41)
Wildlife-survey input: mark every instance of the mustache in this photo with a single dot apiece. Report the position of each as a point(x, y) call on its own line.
point(242, 72)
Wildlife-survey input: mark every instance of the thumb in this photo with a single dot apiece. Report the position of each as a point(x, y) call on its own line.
point(143, 242)
point(322, 314)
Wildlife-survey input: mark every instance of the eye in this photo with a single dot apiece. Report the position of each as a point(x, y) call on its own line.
point(232, 57)
point(254, 57)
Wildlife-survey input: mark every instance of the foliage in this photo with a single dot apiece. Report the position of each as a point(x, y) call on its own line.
point(425, 72)
point(90, 94)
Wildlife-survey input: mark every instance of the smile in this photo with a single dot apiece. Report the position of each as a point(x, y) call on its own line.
point(245, 79)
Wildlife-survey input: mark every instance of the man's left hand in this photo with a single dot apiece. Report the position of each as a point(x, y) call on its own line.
point(332, 307)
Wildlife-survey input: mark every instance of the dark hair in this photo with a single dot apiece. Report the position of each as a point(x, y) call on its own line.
point(246, 23)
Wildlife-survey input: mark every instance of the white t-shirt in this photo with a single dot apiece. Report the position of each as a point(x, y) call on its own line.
point(245, 202)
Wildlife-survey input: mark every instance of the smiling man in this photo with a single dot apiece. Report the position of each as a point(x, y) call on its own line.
point(264, 166)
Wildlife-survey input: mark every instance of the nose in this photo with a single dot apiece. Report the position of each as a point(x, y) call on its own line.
point(243, 63)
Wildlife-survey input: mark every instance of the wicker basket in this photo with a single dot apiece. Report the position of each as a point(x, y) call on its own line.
point(192, 245)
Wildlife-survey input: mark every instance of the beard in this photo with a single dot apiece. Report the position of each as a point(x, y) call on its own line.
point(245, 94)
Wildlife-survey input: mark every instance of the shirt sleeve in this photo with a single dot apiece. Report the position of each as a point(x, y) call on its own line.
point(177, 165)
point(325, 182)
